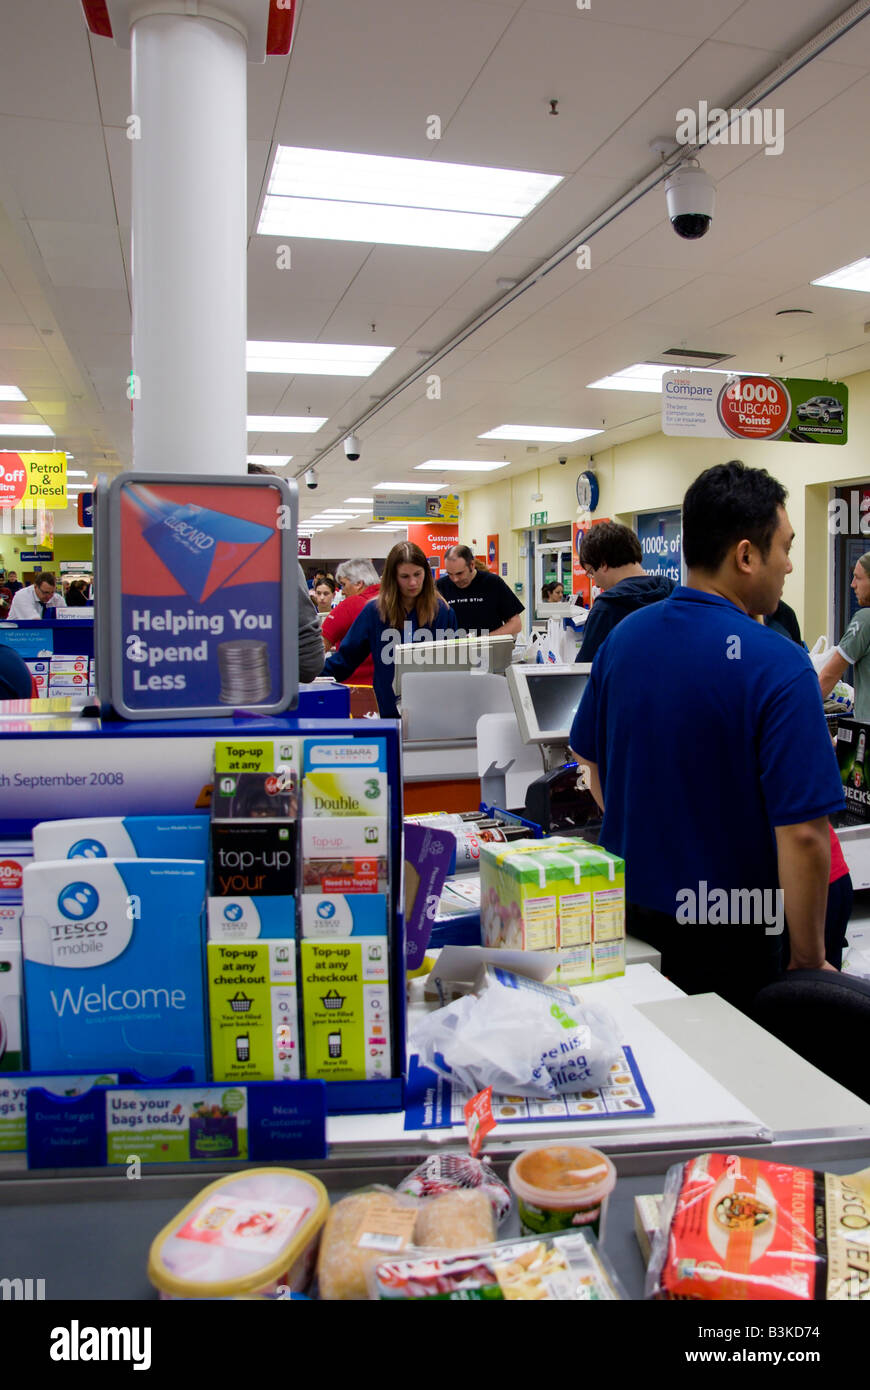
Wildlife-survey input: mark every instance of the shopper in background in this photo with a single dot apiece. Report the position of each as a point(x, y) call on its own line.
point(359, 582)
point(323, 594)
point(13, 582)
point(309, 642)
point(77, 594)
point(853, 648)
point(552, 593)
point(610, 554)
point(719, 775)
point(481, 601)
point(36, 599)
point(408, 603)
point(841, 893)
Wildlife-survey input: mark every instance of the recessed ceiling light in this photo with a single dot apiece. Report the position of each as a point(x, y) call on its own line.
point(409, 487)
point(76, 473)
point(544, 434)
point(11, 393)
point(855, 276)
point(270, 460)
point(462, 465)
point(340, 196)
point(316, 359)
point(367, 500)
point(285, 424)
point(26, 431)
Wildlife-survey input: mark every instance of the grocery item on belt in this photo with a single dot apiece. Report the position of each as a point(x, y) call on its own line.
point(743, 1228)
point(454, 1220)
point(359, 1230)
point(557, 1268)
point(251, 1233)
point(561, 1186)
point(457, 1172)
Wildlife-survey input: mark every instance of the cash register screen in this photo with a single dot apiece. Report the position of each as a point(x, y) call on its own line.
point(555, 698)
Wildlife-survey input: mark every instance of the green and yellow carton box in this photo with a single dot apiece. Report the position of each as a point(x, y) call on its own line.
point(556, 895)
point(345, 968)
point(253, 1007)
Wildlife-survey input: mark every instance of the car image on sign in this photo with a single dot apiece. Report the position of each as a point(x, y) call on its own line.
point(822, 408)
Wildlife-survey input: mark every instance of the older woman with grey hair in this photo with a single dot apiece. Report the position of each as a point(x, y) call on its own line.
point(853, 648)
point(359, 584)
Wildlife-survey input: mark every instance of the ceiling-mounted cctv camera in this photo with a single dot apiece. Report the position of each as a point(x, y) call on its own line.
point(311, 479)
point(563, 460)
point(352, 448)
point(691, 198)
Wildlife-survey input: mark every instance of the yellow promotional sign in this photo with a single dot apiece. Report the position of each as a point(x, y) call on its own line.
point(400, 506)
point(32, 480)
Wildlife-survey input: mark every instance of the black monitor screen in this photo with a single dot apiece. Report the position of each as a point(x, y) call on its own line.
point(555, 698)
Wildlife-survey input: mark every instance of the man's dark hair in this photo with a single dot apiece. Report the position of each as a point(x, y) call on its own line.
point(45, 577)
point(727, 504)
point(612, 544)
point(461, 552)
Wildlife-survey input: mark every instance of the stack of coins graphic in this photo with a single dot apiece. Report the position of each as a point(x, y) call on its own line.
point(244, 672)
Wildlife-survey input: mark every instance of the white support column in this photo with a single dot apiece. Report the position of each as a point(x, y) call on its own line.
point(189, 387)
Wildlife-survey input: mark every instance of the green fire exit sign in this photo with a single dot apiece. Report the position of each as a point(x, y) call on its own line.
point(538, 519)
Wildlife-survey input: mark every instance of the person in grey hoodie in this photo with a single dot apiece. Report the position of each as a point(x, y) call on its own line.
point(611, 556)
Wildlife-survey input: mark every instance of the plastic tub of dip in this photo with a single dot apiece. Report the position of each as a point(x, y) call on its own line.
point(251, 1234)
point(559, 1186)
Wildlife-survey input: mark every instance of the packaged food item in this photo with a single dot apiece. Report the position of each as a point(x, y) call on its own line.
point(555, 1268)
point(359, 1230)
point(647, 1219)
point(560, 1186)
point(458, 1172)
point(743, 1228)
point(454, 1220)
point(251, 1233)
point(558, 895)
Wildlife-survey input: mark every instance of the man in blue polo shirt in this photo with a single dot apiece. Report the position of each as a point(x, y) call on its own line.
point(717, 774)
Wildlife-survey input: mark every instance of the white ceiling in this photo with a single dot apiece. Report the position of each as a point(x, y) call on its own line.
point(366, 78)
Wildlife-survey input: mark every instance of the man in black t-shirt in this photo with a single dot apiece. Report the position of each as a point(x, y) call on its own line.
point(481, 601)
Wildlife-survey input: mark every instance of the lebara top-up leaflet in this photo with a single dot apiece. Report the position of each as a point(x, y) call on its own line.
point(122, 837)
point(113, 971)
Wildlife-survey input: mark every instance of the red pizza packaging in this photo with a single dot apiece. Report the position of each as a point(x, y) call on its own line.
point(736, 1228)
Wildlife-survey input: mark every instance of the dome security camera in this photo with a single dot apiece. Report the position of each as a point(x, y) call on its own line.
point(563, 460)
point(352, 448)
point(311, 479)
point(691, 198)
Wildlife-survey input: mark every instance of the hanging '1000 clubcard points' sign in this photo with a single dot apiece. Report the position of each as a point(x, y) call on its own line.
point(198, 579)
point(710, 405)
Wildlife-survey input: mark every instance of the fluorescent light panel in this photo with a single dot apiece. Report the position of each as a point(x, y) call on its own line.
point(316, 359)
point(76, 473)
point(339, 196)
point(285, 424)
point(26, 431)
point(11, 393)
point(410, 487)
point(462, 465)
point(543, 434)
point(647, 376)
point(270, 460)
point(369, 501)
point(849, 277)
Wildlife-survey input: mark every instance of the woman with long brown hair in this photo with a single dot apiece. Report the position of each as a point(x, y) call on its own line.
point(408, 603)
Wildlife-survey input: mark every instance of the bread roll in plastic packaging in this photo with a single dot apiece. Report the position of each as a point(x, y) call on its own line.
point(359, 1231)
point(455, 1220)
